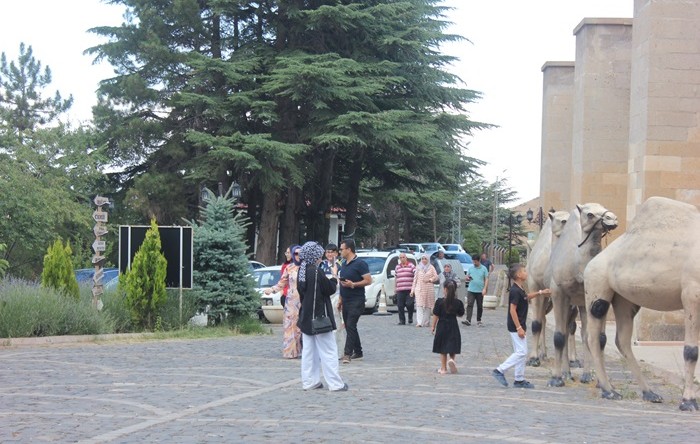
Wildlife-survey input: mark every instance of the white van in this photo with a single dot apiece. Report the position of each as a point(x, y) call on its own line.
point(381, 265)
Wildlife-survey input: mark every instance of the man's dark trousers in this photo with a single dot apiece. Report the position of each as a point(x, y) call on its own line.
point(352, 310)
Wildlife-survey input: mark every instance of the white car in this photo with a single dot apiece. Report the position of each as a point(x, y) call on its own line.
point(265, 278)
point(455, 248)
point(381, 266)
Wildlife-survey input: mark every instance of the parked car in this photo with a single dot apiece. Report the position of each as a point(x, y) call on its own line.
point(453, 247)
point(432, 247)
point(265, 278)
point(110, 279)
point(254, 265)
point(381, 266)
point(413, 248)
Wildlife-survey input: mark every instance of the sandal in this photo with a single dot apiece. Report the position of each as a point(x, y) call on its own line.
point(441, 371)
point(452, 365)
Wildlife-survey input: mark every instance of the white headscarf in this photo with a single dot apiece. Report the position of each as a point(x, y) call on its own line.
point(423, 267)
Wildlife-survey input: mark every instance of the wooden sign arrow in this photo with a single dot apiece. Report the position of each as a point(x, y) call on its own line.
point(97, 290)
point(96, 259)
point(99, 245)
point(100, 230)
point(100, 216)
point(99, 200)
point(97, 277)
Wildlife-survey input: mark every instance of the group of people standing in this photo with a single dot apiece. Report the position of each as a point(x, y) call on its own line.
point(308, 282)
point(305, 302)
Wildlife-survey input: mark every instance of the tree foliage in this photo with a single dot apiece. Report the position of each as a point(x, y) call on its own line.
point(58, 270)
point(48, 170)
point(144, 283)
point(221, 271)
point(309, 105)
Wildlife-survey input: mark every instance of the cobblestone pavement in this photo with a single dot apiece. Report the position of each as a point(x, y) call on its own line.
point(240, 390)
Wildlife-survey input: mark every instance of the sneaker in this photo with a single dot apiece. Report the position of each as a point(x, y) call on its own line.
point(410, 321)
point(356, 356)
point(479, 324)
point(345, 359)
point(318, 385)
point(500, 377)
point(344, 388)
point(523, 384)
point(466, 322)
point(452, 365)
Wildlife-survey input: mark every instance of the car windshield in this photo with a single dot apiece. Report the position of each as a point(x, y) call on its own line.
point(376, 264)
point(464, 258)
point(431, 247)
point(265, 278)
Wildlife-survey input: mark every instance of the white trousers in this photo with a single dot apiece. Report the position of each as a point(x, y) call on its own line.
point(517, 359)
point(320, 352)
point(423, 316)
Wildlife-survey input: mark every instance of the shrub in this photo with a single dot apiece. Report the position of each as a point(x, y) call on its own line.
point(144, 284)
point(58, 270)
point(221, 274)
point(4, 264)
point(27, 309)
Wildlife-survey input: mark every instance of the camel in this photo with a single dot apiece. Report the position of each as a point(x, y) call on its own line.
point(536, 266)
point(578, 243)
point(654, 264)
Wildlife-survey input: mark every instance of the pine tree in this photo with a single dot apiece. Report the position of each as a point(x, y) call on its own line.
point(224, 288)
point(144, 284)
point(58, 270)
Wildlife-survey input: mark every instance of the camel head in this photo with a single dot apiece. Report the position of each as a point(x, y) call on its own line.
point(594, 216)
point(558, 219)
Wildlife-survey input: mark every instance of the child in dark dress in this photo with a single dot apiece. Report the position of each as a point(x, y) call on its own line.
point(448, 340)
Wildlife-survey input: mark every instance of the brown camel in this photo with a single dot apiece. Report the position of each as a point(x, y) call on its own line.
point(537, 263)
point(654, 264)
point(579, 242)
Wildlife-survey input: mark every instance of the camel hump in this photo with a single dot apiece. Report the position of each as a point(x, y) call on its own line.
point(661, 216)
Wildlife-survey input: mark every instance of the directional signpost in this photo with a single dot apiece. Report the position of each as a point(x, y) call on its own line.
point(99, 247)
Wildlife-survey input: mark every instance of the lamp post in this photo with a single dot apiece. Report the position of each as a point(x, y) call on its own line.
point(539, 219)
point(510, 219)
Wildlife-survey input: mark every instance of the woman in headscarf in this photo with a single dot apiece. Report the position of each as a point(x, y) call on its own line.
point(424, 291)
point(320, 350)
point(291, 341)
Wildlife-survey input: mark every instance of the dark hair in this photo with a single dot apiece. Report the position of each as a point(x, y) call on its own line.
point(451, 295)
point(349, 244)
point(476, 257)
point(331, 247)
point(514, 269)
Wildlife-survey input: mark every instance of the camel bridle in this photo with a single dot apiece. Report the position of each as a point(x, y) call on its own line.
point(602, 225)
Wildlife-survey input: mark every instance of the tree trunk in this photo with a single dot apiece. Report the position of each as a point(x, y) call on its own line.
point(267, 239)
point(289, 229)
point(353, 194)
point(319, 222)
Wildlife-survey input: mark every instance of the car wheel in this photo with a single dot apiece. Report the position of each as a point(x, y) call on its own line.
point(376, 305)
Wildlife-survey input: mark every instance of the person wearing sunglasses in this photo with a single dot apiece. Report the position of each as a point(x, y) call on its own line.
point(291, 340)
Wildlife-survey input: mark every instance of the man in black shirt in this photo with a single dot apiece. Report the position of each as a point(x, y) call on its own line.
point(354, 277)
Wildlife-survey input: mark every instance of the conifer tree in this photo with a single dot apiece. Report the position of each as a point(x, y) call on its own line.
point(58, 270)
point(224, 288)
point(144, 284)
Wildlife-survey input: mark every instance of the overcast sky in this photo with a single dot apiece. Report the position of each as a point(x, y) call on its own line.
point(510, 41)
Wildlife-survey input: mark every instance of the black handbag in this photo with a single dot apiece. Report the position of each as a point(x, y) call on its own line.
point(323, 323)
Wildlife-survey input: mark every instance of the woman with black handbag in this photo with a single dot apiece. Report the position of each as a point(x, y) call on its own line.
point(317, 323)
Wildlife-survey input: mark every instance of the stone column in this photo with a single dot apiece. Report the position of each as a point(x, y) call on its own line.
point(601, 114)
point(664, 157)
point(557, 121)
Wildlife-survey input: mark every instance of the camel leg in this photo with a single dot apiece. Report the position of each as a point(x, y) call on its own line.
point(690, 297)
point(586, 376)
point(539, 322)
point(573, 359)
point(561, 314)
point(596, 338)
point(625, 311)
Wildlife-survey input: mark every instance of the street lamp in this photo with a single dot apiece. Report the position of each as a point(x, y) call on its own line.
point(539, 220)
point(518, 219)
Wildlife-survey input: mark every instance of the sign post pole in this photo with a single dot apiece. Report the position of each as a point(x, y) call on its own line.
point(99, 246)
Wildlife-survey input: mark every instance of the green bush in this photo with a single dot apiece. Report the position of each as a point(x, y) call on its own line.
point(58, 270)
point(4, 264)
point(27, 310)
point(144, 284)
